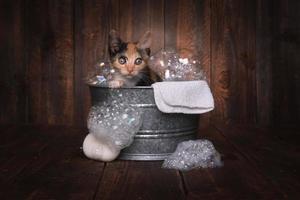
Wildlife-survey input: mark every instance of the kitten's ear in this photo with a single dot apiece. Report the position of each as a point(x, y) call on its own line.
point(145, 41)
point(114, 42)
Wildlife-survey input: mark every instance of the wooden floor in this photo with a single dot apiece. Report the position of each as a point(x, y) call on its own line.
point(48, 163)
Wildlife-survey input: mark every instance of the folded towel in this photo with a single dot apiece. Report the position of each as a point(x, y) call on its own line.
point(189, 97)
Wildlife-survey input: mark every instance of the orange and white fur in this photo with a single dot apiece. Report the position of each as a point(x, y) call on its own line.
point(129, 59)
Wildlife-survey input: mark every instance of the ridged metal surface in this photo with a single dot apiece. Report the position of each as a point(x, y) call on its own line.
point(160, 132)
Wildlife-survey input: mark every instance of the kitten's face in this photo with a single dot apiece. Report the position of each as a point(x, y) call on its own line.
point(130, 59)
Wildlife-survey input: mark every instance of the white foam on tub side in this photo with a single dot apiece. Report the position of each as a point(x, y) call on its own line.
point(112, 126)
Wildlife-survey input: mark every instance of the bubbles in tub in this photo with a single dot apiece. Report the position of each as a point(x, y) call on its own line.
point(170, 66)
point(115, 120)
point(193, 154)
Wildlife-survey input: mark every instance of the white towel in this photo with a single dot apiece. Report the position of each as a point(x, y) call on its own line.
point(189, 97)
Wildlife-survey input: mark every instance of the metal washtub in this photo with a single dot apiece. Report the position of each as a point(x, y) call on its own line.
point(160, 132)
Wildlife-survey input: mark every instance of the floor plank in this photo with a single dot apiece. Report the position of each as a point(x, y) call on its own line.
point(74, 177)
point(48, 163)
point(272, 152)
point(20, 148)
point(139, 180)
point(235, 180)
point(58, 172)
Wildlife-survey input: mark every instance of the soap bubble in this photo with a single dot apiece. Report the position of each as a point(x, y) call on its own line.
point(115, 121)
point(193, 154)
point(102, 75)
point(169, 66)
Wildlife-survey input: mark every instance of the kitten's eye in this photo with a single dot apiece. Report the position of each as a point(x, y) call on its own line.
point(122, 60)
point(138, 61)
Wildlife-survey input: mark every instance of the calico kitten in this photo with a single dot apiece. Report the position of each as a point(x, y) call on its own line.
point(129, 60)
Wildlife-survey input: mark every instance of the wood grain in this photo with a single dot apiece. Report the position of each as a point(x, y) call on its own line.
point(220, 72)
point(170, 24)
point(47, 163)
point(18, 152)
point(12, 70)
point(247, 184)
point(91, 38)
point(51, 172)
point(50, 62)
point(269, 150)
point(248, 50)
point(264, 63)
point(285, 61)
point(126, 19)
point(193, 37)
point(233, 61)
point(157, 25)
point(139, 180)
point(140, 18)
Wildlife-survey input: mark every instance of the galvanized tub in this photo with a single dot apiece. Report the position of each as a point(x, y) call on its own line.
point(160, 132)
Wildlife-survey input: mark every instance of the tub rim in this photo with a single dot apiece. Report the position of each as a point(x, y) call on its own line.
point(106, 87)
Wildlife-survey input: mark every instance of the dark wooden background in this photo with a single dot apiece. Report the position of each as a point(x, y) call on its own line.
point(248, 48)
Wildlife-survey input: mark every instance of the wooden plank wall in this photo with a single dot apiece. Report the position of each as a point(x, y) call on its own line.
point(286, 62)
point(248, 50)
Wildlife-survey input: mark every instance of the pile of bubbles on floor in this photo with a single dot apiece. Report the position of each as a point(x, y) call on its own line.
point(193, 154)
point(114, 122)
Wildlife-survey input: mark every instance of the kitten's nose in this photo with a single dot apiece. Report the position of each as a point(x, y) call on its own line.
point(130, 70)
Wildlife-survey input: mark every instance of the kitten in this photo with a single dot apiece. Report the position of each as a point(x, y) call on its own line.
point(129, 60)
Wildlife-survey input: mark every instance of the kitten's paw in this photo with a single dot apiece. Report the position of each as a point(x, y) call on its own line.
point(115, 84)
